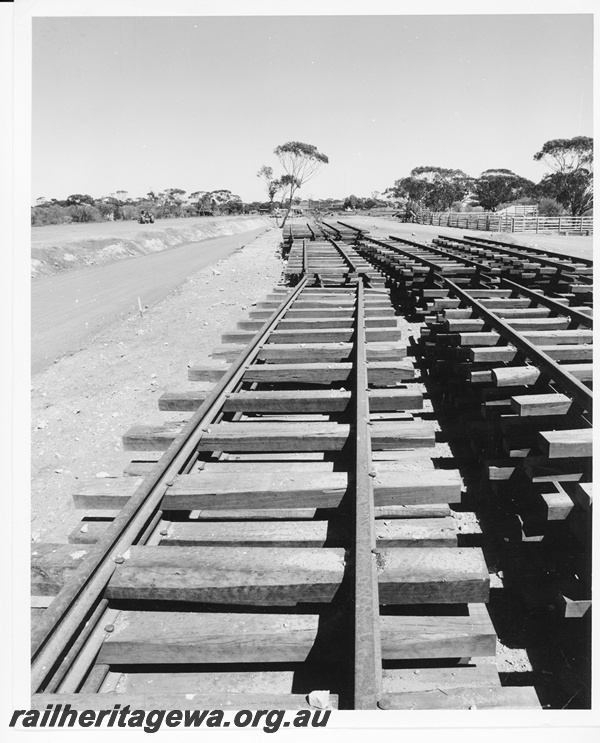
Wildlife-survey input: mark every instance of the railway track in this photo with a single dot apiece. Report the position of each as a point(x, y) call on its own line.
point(514, 357)
point(291, 543)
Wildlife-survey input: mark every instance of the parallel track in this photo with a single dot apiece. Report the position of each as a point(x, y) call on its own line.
point(295, 535)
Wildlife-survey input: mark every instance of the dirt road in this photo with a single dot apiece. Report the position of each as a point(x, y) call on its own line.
point(68, 309)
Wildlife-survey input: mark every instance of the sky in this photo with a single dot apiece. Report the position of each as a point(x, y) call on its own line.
point(200, 103)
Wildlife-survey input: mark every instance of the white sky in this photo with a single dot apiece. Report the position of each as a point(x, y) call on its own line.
point(199, 103)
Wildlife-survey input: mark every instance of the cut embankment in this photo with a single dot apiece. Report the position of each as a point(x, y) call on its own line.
point(63, 251)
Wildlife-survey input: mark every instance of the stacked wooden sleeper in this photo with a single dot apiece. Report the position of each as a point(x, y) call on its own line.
point(259, 522)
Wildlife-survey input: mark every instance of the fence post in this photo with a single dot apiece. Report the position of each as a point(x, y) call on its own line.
point(537, 225)
point(559, 225)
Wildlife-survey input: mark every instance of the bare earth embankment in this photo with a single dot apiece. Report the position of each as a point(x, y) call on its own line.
point(56, 248)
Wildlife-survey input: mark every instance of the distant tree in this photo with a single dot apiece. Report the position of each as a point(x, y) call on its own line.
point(225, 202)
point(571, 182)
point(84, 212)
point(234, 205)
point(287, 182)
point(573, 190)
point(175, 194)
point(273, 185)
point(203, 202)
point(301, 162)
point(413, 189)
point(108, 206)
point(121, 195)
point(497, 186)
point(445, 185)
point(432, 187)
point(79, 198)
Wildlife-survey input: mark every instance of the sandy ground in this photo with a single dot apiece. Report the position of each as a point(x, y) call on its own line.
point(83, 404)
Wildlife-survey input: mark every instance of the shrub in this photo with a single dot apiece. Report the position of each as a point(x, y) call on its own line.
point(130, 212)
point(84, 213)
point(550, 208)
point(41, 215)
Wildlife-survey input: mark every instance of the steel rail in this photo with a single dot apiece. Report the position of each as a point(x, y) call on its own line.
point(360, 232)
point(552, 304)
point(572, 386)
point(304, 258)
point(493, 243)
point(367, 636)
point(75, 600)
point(351, 265)
point(430, 264)
point(446, 253)
point(561, 267)
point(569, 384)
point(331, 227)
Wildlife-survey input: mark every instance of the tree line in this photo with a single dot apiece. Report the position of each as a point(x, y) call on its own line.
point(568, 188)
point(170, 203)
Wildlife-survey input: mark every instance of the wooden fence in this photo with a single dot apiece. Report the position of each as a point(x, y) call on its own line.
point(494, 222)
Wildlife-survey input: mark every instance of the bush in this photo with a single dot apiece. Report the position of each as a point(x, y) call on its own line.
point(84, 213)
point(550, 208)
point(41, 215)
point(130, 212)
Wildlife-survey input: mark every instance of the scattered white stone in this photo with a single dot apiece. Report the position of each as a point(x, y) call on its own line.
point(319, 699)
point(102, 474)
point(59, 471)
point(35, 536)
point(42, 424)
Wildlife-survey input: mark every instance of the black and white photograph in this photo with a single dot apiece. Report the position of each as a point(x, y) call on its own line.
point(299, 311)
